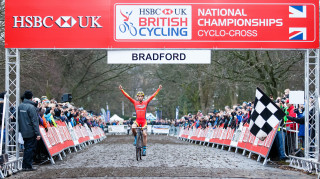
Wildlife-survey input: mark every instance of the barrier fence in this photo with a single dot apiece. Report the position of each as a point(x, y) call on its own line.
point(65, 137)
point(240, 138)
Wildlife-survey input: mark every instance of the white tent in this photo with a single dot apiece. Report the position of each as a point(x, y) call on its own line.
point(116, 118)
point(150, 117)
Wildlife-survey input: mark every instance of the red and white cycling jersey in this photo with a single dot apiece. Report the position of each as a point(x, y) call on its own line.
point(141, 108)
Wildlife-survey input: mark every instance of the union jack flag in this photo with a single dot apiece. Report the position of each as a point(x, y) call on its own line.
point(297, 33)
point(297, 11)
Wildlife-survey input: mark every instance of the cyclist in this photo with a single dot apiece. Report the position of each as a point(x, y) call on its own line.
point(141, 110)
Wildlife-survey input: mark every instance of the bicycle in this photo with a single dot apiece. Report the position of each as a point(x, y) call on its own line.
point(132, 30)
point(139, 143)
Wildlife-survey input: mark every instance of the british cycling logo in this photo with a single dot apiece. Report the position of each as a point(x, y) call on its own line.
point(125, 26)
point(153, 22)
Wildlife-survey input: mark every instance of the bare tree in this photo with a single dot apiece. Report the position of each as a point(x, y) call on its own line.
point(266, 68)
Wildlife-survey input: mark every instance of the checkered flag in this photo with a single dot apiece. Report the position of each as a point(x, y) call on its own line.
point(265, 115)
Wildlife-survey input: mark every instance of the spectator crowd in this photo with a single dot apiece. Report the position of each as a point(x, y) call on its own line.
point(291, 126)
point(46, 112)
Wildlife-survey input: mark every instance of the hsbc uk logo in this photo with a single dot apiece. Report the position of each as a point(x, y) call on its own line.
point(153, 22)
point(66, 21)
point(61, 22)
point(167, 11)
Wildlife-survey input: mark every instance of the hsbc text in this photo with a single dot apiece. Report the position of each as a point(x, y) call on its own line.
point(50, 21)
point(158, 11)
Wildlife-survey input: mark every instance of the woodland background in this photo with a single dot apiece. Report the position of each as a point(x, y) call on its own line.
point(230, 79)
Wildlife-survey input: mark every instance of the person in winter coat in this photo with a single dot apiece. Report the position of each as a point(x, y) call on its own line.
point(29, 127)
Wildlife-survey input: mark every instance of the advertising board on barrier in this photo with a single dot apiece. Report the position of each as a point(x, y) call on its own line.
point(57, 138)
point(63, 136)
point(89, 132)
point(240, 138)
point(117, 129)
point(161, 129)
point(196, 24)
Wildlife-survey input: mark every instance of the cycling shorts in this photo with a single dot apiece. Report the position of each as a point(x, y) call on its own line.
point(142, 124)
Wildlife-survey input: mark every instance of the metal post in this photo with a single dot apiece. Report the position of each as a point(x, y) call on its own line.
point(12, 85)
point(52, 161)
point(259, 158)
point(122, 108)
point(312, 106)
point(3, 119)
point(60, 157)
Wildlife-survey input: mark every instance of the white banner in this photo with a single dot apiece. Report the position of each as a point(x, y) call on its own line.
point(73, 134)
point(296, 97)
point(149, 129)
point(160, 129)
point(159, 57)
point(117, 129)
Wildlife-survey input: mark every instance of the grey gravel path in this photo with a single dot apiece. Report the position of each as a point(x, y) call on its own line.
point(166, 157)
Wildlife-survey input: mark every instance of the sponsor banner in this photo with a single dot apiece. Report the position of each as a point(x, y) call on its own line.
point(73, 134)
point(204, 132)
point(204, 24)
point(181, 130)
point(82, 134)
point(195, 24)
point(117, 129)
point(191, 130)
point(209, 135)
point(159, 57)
point(185, 133)
point(60, 138)
point(96, 131)
point(214, 134)
point(101, 132)
point(241, 138)
point(108, 116)
point(262, 147)
point(57, 24)
point(195, 133)
point(161, 129)
point(230, 134)
point(89, 132)
point(57, 138)
point(236, 136)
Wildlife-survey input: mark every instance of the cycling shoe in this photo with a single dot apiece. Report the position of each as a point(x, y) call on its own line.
point(135, 141)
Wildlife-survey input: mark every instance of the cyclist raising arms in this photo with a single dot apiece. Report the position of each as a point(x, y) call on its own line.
point(141, 110)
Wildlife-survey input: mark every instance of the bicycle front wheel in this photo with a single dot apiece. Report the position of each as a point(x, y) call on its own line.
point(138, 146)
point(138, 153)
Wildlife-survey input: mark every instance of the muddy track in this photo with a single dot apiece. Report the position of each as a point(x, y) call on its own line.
point(166, 157)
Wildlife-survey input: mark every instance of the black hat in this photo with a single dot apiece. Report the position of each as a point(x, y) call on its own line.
point(28, 94)
point(2, 94)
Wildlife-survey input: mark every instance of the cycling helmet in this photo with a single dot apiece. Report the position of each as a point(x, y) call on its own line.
point(140, 93)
